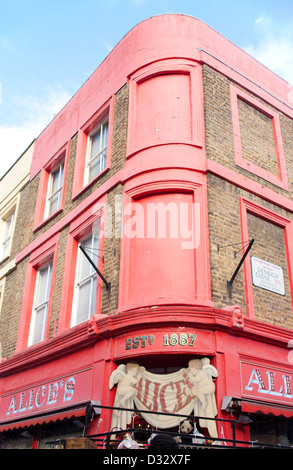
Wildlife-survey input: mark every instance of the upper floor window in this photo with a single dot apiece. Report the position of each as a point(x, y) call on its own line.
point(85, 292)
point(7, 235)
point(36, 310)
point(51, 195)
point(41, 303)
point(97, 151)
point(54, 190)
point(93, 148)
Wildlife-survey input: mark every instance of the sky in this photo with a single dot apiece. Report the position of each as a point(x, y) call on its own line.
point(49, 48)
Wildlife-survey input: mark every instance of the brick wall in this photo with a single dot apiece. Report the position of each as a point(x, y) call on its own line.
point(270, 246)
point(11, 308)
point(24, 235)
point(257, 137)
point(223, 209)
point(256, 146)
point(223, 199)
point(225, 243)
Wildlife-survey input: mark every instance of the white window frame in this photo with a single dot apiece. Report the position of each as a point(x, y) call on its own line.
point(101, 155)
point(7, 235)
point(92, 277)
point(38, 305)
point(2, 287)
point(59, 171)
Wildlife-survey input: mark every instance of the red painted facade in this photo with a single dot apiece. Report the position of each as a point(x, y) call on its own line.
point(164, 280)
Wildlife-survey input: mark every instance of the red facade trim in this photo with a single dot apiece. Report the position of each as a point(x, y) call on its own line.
point(38, 257)
point(62, 154)
point(82, 142)
point(280, 180)
point(274, 218)
point(159, 163)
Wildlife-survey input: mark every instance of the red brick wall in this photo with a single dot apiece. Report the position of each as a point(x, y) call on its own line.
point(24, 235)
point(258, 146)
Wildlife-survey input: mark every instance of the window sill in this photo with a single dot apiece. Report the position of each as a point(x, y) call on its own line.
point(2, 260)
point(47, 220)
point(79, 192)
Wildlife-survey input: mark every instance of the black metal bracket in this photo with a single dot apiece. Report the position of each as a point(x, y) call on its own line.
point(230, 283)
point(107, 284)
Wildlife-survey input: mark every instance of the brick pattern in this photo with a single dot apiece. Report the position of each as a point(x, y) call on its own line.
point(111, 255)
point(57, 291)
point(24, 235)
point(11, 309)
point(223, 212)
point(223, 199)
point(270, 246)
point(257, 137)
point(225, 243)
point(219, 131)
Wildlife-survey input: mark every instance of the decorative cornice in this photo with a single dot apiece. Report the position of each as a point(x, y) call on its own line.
point(67, 342)
point(229, 320)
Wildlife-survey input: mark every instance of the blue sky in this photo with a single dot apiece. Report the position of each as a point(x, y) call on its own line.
point(49, 48)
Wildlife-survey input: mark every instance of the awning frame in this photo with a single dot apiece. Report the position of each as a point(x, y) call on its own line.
point(88, 409)
point(243, 405)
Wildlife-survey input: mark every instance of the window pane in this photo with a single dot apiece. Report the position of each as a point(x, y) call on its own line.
point(39, 324)
point(54, 203)
point(41, 301)
point(96, 144)
point(105, 135)
point(61, 175)
point(5, 248)
point(103, 160)
point(8, 226)
point(85, 266)
point(44, 281)
point(91, 247)
point(7, 232)
point(55, 182)
point(57, 178)
point(86, 278)
point(93, 296)
point(96, 240)
point(84, 296)
point(94, 168)
point(98, 151)
point(54, 190)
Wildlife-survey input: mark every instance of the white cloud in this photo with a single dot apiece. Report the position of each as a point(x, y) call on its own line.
point(274, 48)
point(6, 45)
point(14, 139)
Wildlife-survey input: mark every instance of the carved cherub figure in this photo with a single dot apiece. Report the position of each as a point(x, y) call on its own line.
point(126, 376)
point(201, 373)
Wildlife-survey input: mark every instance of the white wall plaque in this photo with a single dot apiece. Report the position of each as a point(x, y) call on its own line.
point(267, 276)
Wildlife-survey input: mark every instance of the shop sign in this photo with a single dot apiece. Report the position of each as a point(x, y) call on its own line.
point(49, 396)
point(171, 339)
point(267, 276)
point(189, 390)
point(267, 384)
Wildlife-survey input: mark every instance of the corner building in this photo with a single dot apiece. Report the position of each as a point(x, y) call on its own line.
point(155, 251)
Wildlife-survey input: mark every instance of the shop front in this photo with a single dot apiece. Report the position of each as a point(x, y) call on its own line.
point(64, 399)
point(228, 377)
point(265, 402)
point(47, 393)
point(148, 371)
